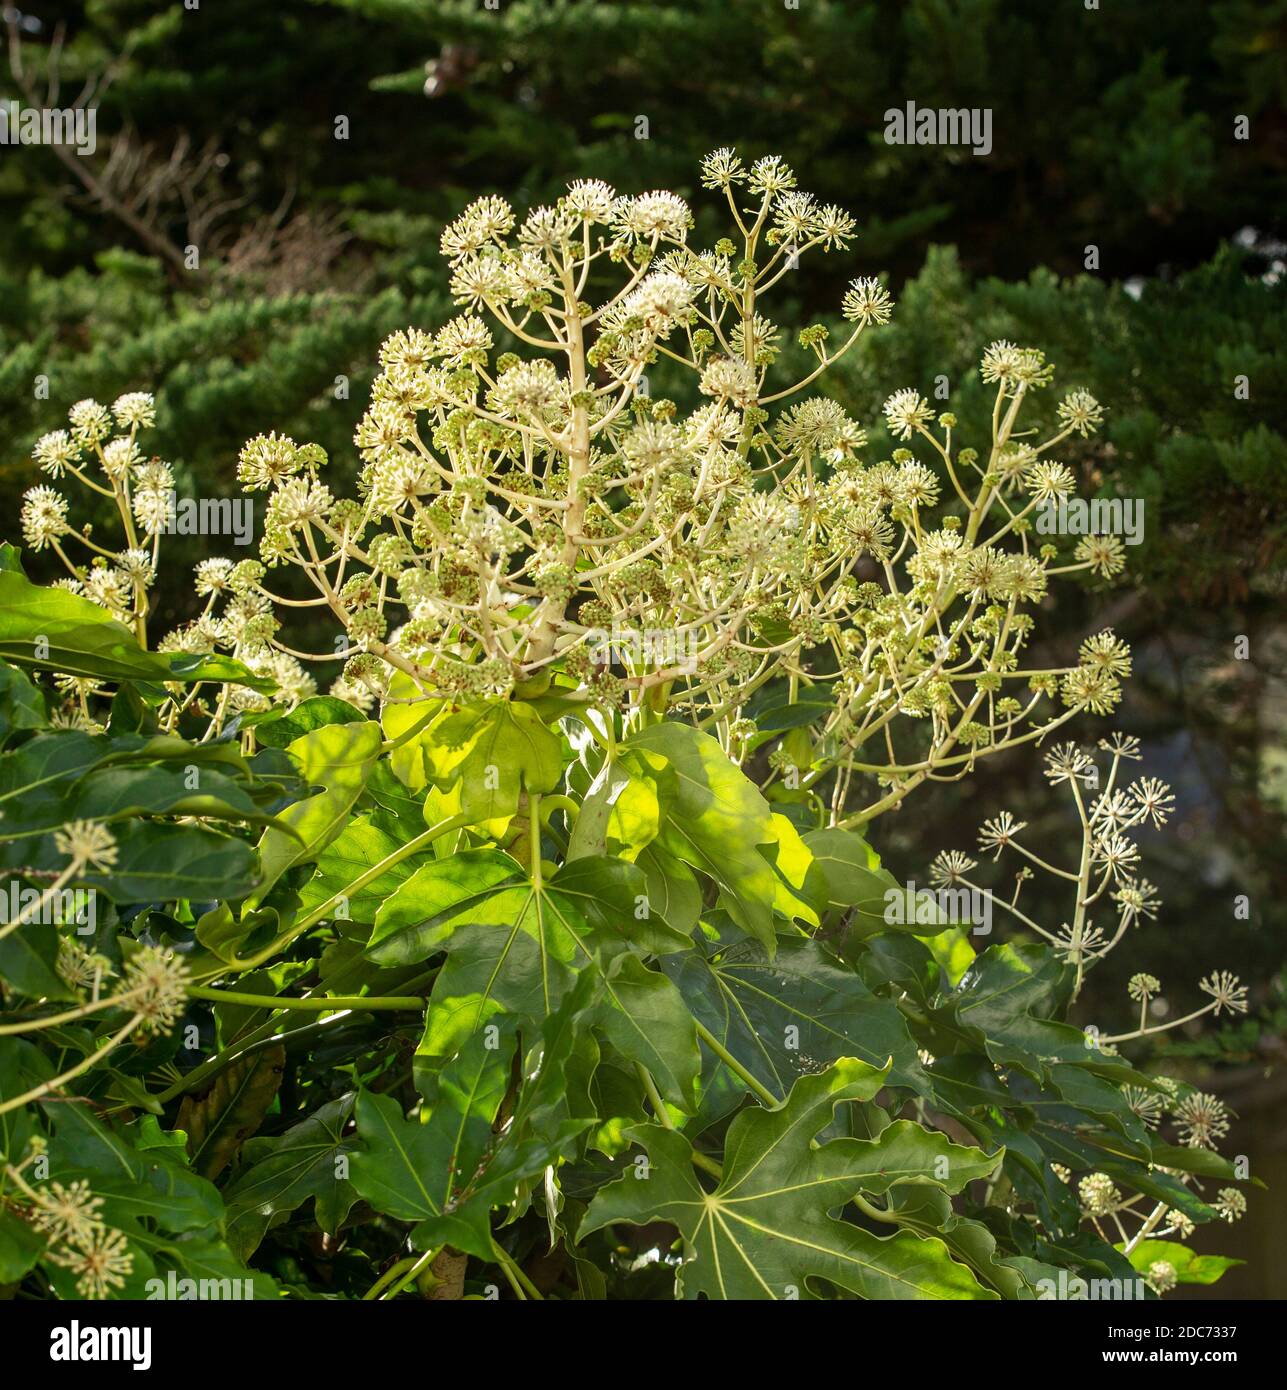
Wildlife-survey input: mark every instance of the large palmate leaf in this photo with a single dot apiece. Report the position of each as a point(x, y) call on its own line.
point(363, 843)
point(54, 630)
point(845, 881)
point(714, 819)
point(22, 1065)
point(766, 1231)
point(905, 1152)
point(278, 728)
point(106, 792)
point(142, 1172)
point(515, 947)
point(490, 752)
point(29, 954)
point(1189, 1266)
point(781, 1017)
point(449, 1172)
point(339, 758)
point(71, 775)
point(22, 706)
point(210, 1267)
point(494, 752)
point(929, 1209)
point(1006, 1004)
point(21, 1246)
point(155, 862)
point(279, 1175)
point(846, 875)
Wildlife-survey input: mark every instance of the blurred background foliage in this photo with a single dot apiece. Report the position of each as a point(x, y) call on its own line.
point(310, 151)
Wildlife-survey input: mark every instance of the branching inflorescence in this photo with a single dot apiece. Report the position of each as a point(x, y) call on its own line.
point(522, 513)
point(543, 556)
point(1105, 879)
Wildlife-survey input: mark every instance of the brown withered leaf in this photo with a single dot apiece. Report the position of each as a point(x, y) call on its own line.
point(219, 1120)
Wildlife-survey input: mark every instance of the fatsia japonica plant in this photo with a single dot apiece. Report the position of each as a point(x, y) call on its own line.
point(547, 955)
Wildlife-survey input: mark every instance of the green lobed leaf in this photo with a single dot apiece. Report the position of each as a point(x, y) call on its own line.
point(280, 1174)
point(448, 1172)
point(515, 948)
point(801, 1010)
point(766, 1230)
point(714, 819)
point(338, 758)
point(54, 630)
point(1189, 1266)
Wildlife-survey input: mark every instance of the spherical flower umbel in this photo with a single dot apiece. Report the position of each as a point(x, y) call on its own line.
point(1091, 687)
point(772, 175)
point(88, 844)
point(1000, 361)
point(156, 983)
point(1141, 987)
point(1104, 555)
point(1122, 746)
point(1098, 1193)
point(136, 565)
point(907, 411)
point(1080, 411)
point(101, 1263)
point(950, 867)
point(44, 517)
point(729, 378)
point(1202, 1119)
point(722, 168)
point(530, 388)
point(591, 199)
point(67, 1212)
point(866, 301)
point(998, 833)
point(1112, 810)
point(1137, 898)
point(660, 215)
point(213, 576)
point(1066, 762)
point(91, 423)
point(1228, 995)
point(1115, 853)
point(79, 967)
point(1107, 652)
point(1180, 1222)
point(268, 460)
point(1149, 1106)
point(135, 410)
point(56, 452)
point(485, 222)
point(1048, 481)
point(1154, 799)
point(1231, 1204)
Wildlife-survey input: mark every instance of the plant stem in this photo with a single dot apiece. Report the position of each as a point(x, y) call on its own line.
point(388, 1277)
point(417, 1267)
point(700, 1160)
point(82, 1066)
point(412, 846)
point(525, 1288)
point(355, 1002)
point(735, 1066)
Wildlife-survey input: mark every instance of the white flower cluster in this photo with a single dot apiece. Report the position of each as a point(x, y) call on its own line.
point(524, 484)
